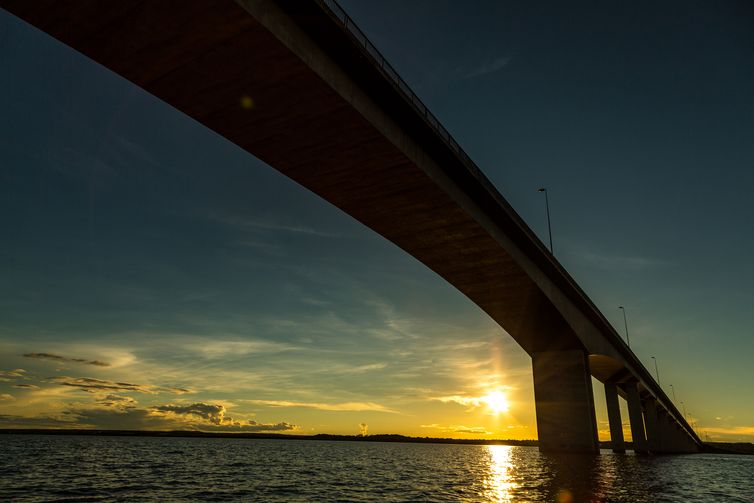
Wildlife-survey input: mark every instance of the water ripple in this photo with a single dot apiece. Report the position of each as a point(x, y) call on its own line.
point(70, 468)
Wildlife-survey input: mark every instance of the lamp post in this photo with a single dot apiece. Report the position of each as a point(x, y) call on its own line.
point(684, 410)
point(673, 390)
point(657, 373)
point(625, 325)
point(547, 207)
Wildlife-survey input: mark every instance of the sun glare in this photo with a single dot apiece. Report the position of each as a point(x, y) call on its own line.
point(496, 401)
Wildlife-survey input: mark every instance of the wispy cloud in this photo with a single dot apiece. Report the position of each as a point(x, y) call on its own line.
point(58, 358)
point(257, 225)
point(222, 348)
point(359, 369)
point(486, 68)
point(344, 406)
point(733, 430)
point(7, 375)
point(25, 386)
point(619, 262)
point(4, 397)
point(458, 428)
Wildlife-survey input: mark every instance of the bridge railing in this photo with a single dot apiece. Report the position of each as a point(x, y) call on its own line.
point(337, 12)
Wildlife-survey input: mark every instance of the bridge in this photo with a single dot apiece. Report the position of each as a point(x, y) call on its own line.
point(299, 86)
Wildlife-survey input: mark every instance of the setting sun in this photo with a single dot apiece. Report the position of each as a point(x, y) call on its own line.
point(496, 401)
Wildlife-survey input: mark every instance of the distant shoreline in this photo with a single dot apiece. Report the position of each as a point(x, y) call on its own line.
point(271, 436)
point(710, 447)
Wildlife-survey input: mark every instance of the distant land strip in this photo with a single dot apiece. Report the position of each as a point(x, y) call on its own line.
point(710, 447)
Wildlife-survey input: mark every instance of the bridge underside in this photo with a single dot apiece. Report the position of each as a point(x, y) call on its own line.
point(316, 125)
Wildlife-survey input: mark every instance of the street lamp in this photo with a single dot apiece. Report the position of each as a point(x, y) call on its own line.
point(684, 410)
point(657, 373)
point(625, 324)
point(547, 206)
point(673, 390)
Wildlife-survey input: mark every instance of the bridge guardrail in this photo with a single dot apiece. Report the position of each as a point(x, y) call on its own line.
point(333, 8)
point(387, 69)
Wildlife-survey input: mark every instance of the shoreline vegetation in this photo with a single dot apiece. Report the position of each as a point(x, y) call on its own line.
point(710, 447)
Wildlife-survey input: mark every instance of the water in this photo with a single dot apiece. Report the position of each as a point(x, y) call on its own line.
point(82, 468)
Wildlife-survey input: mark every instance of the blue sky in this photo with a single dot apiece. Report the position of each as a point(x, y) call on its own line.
point(218, 288)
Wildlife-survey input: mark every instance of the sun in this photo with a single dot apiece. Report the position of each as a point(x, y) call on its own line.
point(496, 401)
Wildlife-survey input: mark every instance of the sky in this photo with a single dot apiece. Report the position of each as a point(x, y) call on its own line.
point(153, 275)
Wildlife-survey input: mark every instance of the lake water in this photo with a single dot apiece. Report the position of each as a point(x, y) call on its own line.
point(82, 468)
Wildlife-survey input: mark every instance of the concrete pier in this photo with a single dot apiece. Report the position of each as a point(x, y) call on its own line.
point(564, 402)
point(654, 438)
point(636, 418)
point(613, 417)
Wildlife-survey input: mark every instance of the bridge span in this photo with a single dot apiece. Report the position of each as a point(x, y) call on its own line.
point(298, 85)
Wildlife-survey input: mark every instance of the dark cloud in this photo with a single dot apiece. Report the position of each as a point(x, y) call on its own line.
point(10, 421)
point(125, 402)
point(177, 391)
point(120, 413)
point(50, 356)
point(117, 412)
point(101, 385)
point(112, 418)
point(214, 414)
point(93, 385)
point(215, 418)
point(248, 426)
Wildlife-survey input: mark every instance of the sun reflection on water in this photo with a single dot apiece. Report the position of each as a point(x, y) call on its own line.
point(499, 484)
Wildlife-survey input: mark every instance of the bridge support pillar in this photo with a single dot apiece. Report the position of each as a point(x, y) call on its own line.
point(685, 442)
point(635, 417)
point(654, 439)
point(667, 435)
point(613, 417)
point(564, 401)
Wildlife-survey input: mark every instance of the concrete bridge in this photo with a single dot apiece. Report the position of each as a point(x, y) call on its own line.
point(298, 85)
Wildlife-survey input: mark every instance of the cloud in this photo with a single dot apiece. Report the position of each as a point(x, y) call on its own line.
point(472, 402)
point(215, 419)
point(58, 358)
point(6, 397)
point(479, 430)
point(358, 369)
point(117, 401)
point(619, 262)
point(734, 430)
point(255, 225)
point(25, 386)
point(213, 349)
point(7, 375)
point(119, 414)
point(215, 414)
point(344, 406)
point(458, 428)
point(487, 68)
point(92, 385)
point(11, 421)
